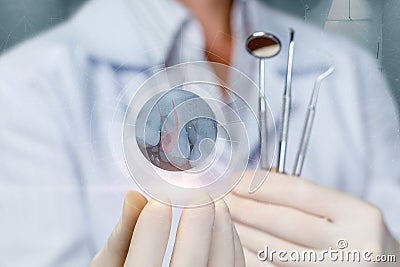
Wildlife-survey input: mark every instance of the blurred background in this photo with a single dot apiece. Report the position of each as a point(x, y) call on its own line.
point(373, 24)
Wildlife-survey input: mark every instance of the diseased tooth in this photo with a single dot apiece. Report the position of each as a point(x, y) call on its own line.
point(183, 144)
point(163, 157)
point(178, 128)
point(181, 152)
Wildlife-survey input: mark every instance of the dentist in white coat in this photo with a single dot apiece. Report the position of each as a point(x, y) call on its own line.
point(62, 175)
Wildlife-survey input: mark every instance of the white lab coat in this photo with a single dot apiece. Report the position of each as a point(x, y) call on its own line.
point(63, 96)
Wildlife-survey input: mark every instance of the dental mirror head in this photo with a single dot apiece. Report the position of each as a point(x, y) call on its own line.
point(263, 45)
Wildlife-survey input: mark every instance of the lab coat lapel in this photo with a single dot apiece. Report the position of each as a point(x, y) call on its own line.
point(131, 32)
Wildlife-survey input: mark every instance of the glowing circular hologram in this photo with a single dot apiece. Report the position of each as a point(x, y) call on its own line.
point(188, 135)
point(176, 130)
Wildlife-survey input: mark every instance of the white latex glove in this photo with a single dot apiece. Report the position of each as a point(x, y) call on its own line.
point(205, 237)
point(288, 213)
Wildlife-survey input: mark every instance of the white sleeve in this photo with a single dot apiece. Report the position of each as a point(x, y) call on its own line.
point(42, 216)
point(381, 126)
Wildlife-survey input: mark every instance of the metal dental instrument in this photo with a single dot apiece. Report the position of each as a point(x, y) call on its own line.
point(299, 161)
point(263, 45)
point(286, 107)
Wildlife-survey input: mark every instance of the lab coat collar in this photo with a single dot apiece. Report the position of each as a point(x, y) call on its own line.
point(113, 30)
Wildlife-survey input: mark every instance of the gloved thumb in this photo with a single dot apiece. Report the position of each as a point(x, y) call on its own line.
point(115, 250)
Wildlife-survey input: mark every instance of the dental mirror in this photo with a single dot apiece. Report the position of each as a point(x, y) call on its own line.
point(263, 45)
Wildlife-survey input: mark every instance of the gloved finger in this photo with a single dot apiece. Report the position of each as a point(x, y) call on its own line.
point(150, 237)
point(194, 235)
point(287, 223)
point(239, 255)
point(304, 195)
point(222, 250)
point(115, 250)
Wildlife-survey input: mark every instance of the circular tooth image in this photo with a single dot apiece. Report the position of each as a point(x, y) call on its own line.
point(178, 130)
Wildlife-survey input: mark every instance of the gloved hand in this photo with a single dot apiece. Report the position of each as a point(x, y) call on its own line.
point(205, 237)
point(292, 214)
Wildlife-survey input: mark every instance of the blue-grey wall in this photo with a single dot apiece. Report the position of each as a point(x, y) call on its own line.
point(360, 20)
point(391, 44)
point(20, 19)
